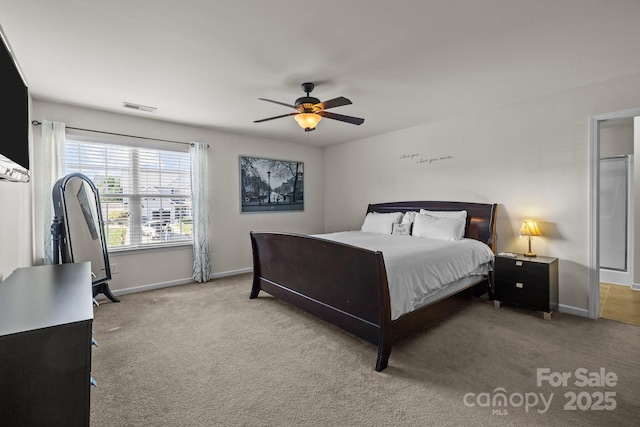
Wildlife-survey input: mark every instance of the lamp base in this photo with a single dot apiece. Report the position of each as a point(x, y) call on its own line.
point(530, 254)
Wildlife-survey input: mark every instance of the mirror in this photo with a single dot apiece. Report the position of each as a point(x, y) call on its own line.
point(78, 229)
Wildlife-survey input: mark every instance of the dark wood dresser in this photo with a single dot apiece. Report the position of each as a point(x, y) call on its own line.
point(46, 314)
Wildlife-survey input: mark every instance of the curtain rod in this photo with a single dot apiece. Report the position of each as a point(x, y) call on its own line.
point(37, 123)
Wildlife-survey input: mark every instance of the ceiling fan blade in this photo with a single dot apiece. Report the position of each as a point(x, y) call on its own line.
point(342, 118)
point(278, 102)
point(335, 102)
point(276, 117)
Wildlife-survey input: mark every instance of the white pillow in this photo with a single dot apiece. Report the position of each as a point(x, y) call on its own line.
point(408, 217)
point(380, 222)
point(445, 214)
point(442, 228)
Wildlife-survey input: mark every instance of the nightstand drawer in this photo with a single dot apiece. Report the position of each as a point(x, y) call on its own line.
point(516, 270)
point(529, 293)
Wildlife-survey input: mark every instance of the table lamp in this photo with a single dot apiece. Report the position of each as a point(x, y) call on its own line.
point(529, 228)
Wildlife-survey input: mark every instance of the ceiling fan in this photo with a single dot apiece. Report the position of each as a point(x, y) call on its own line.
point(311, 110)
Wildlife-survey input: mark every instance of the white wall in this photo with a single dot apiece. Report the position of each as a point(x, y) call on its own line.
point(531, 157)
point(230, 244)
point(616, 138)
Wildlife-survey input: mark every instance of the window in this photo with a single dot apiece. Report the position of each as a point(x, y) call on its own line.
point(145, 193)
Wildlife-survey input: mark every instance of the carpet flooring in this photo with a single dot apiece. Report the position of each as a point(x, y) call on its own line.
point(206, 355)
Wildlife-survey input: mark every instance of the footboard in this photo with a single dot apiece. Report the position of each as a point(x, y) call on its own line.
point(342, 284)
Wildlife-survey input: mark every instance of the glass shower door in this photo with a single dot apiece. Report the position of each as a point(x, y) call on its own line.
point(614, 199)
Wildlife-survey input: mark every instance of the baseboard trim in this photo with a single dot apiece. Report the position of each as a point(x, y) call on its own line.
point(616, 277)
point(635, 286)
point(232, 273)
point(576, 311)
point(176, 282)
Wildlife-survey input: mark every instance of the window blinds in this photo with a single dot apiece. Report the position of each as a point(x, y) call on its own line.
point(145, 193)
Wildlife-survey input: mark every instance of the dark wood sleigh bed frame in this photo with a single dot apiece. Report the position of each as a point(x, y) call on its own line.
point(347, 285)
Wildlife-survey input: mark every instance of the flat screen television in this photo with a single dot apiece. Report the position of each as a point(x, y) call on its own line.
point(14, 117)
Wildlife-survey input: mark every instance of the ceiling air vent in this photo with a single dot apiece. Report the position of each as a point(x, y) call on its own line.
point(139, 107)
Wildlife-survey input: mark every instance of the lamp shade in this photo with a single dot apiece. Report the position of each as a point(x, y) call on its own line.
point(529, 227)
point(308, 120)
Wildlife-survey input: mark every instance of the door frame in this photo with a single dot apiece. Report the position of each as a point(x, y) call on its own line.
point(594, 203)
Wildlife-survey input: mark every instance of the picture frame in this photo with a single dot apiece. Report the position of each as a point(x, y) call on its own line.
point(271, 185)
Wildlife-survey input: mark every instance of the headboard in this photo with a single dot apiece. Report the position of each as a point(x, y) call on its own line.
point(481, 217)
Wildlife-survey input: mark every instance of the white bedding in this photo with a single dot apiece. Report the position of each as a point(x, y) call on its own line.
point(417, 268)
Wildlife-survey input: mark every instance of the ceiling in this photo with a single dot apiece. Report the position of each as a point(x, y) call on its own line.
point(401, 63)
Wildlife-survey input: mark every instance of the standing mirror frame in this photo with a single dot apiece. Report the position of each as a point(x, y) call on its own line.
point(78, 229)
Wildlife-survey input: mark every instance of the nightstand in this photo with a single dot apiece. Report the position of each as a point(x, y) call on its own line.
point(531, 282)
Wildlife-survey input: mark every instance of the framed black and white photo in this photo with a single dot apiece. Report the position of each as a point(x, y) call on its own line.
point(268, 185)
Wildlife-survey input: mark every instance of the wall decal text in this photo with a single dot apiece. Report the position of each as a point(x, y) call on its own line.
point(423, 160)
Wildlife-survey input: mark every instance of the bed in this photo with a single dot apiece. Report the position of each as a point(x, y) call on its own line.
point(348, 285)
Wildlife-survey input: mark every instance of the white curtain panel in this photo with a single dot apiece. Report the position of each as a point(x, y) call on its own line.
point(53, 135)
point(200, 201)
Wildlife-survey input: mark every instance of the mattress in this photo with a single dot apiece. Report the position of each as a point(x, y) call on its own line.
point(421, 270)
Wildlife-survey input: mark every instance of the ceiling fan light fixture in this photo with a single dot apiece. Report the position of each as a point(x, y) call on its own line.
point(309, 110)
point(308, 121)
